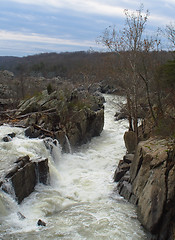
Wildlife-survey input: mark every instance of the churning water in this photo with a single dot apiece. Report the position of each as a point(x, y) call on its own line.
point(80, 202)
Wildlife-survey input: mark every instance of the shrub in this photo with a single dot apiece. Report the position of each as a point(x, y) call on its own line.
point(49, 89)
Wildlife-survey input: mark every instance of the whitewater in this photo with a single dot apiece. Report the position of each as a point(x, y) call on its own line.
point(81, 201)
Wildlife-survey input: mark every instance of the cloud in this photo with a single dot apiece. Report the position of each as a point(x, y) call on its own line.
point(100, 7)
point(169, 1)
point(161, 20)
point(38, 38)
point(88, 6)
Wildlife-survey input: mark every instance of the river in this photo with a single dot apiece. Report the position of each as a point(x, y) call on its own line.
point(81, 202)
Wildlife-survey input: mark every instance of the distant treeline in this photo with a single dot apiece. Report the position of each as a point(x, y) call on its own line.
point(78, 66)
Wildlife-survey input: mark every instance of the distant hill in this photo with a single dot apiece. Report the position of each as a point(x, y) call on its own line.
point(100, 65)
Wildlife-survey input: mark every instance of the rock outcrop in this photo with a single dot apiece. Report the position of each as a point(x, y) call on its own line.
point(150, 184)
point(103, 87)
point(21, 180)
point(6, 92)
point(72, 115)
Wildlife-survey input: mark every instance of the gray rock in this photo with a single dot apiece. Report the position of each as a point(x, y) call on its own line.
point(128, 158)
point(31, 132)
point(130, 141)
point(7, 139)
point(153, 185)
point(121, 170)
point(41, 223)
point(78, 116)
point(119, 174)
point(125, 190)
point(25, 175)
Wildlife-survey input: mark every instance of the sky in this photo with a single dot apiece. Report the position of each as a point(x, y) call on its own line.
point(30, 27)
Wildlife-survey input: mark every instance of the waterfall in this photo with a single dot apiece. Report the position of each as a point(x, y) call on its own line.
point(54, 148)
point(81, 202)
point(68, 144)
point(8, 188)
point(7, 204)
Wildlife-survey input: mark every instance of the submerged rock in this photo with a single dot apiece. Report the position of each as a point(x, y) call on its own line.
point(21, 216)
point(6, 139)
point(9, 137)
point(41, 223)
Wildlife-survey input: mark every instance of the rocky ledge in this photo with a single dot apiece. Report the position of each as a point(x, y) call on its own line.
point(74, 116)
point(147, 179)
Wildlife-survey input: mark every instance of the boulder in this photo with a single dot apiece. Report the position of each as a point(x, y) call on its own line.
point(41, 223)
point(24, 176)
point(6, 139)
point(120, 116)
point(31, 132)
point(9, 137)
point(130, 140)
point(122, 113)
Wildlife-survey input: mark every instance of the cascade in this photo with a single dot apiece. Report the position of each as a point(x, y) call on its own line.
point(68, 144)
point(8, 188)
point(7, 204)
point(54, 148)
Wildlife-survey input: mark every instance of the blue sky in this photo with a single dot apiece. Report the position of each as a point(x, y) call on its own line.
point(35, 26)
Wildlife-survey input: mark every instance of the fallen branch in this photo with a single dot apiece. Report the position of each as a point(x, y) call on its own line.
point(9, 111)
point(43, 129)
point(28, 114)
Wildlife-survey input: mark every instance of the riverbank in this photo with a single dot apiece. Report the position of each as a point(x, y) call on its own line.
point(80, 202)
point(71, 115)
point(147, 180)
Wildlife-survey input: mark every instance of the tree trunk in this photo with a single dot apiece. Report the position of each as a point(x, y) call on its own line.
point(129, 112)
point(149, 100)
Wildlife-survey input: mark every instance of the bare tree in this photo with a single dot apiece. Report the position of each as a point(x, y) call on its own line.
point(169, 33)
point(128, 43)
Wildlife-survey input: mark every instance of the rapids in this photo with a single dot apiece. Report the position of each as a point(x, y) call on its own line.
point(81, 201)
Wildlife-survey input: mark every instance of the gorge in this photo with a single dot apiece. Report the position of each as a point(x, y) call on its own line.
point(81, 201)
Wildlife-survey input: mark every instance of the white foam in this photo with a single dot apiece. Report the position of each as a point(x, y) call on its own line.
point(80, 203)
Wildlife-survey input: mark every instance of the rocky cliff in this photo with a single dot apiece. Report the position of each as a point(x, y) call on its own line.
point(73, 115)
point(149, 182)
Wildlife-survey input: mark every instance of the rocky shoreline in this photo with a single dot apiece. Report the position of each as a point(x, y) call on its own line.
point(73, 115)
point(70, 117)
point(146, 178)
